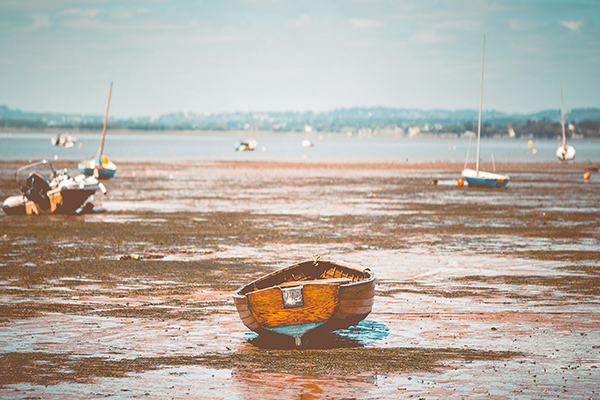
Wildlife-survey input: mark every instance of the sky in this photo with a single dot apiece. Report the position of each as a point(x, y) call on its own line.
point(209, 56)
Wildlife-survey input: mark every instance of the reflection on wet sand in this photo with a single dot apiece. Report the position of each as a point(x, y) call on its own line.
point(364, 333)
point(252, 384)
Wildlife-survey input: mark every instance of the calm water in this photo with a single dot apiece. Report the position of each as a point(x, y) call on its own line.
point(177, 148)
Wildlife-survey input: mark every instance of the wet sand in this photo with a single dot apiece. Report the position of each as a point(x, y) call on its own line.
point(489, 293)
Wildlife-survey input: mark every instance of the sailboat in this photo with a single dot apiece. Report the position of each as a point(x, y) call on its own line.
point(250, 144)
point(477, 178)
point(306, 142)
point(564, 152)
point(100, 166)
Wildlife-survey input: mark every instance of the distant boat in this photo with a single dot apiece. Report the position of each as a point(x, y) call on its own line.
point(306, 142)
point(564, 152)
point(100, 166)
point(246, 146)
point(477, 178)
point(251, 144)
point(63, 140)
point(306, 299)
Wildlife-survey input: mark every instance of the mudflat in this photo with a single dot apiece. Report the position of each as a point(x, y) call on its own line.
point(479, 292)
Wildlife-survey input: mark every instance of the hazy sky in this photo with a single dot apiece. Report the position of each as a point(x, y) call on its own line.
point(232, 55)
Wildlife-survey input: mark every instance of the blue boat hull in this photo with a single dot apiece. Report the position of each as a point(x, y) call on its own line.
point(487, 183)
point(95, 168)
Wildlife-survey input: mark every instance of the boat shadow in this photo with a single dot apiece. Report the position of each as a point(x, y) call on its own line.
point(360, 335)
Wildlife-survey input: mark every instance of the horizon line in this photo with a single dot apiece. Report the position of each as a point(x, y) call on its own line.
point(509, 113)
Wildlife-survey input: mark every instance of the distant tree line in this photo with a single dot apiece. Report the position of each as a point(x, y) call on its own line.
point(538, 129)
point(373, 120)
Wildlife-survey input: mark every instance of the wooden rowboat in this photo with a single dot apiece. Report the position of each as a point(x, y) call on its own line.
point(306, 299)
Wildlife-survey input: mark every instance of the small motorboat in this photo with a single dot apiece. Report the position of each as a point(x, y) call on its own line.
point(246, 146)
point(46, 191)
point(64, 140)
point(306, 299)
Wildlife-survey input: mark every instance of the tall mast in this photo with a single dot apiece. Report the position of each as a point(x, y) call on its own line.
point(562, 118)
point(480, 98)
point(105, 118)
point(251, 124)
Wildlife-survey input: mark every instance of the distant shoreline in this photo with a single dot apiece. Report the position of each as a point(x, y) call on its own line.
point(121, 131)
point(244, 133)
point(424, 166)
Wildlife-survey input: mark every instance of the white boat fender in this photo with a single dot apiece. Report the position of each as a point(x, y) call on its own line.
point(102, 188)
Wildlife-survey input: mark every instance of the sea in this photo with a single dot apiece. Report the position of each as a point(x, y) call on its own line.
point(177, 148)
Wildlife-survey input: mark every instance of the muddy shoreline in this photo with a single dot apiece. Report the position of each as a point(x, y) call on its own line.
point(479, 292)
point(432, 166)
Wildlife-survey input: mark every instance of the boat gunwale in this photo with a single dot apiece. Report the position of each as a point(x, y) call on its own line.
point(370, 276)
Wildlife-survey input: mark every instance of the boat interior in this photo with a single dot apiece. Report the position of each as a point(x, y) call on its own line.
point(314, 272)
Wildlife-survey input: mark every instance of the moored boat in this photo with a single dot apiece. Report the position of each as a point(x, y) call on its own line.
point(306, 299)
point(476, 177)
point(484, 179)
point(100, 166)
point(564, 152)
point(251, 144)
point(305, 141)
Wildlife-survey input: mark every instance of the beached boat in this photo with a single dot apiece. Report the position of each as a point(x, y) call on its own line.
point(100, 166)
point(45, 191)
point(306, 299)
point(477, 178)
point(564, 152)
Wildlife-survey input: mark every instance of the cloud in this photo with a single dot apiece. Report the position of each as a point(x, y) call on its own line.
point(40, 22)
point(301, 21)
point(426, 36)
point(79, 12)
point(365, 23)
point(572, 25)
point(522, 25)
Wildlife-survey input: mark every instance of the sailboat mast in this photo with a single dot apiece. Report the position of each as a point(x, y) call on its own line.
point(105, 118)
point(480, 99)
point(562, 118)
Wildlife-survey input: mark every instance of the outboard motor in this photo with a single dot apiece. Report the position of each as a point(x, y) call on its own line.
point(36, 189)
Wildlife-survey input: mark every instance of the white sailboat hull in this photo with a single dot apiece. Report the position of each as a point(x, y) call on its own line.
point(565, 153)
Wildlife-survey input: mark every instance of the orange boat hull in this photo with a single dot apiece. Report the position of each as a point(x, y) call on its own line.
point(306, 299)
